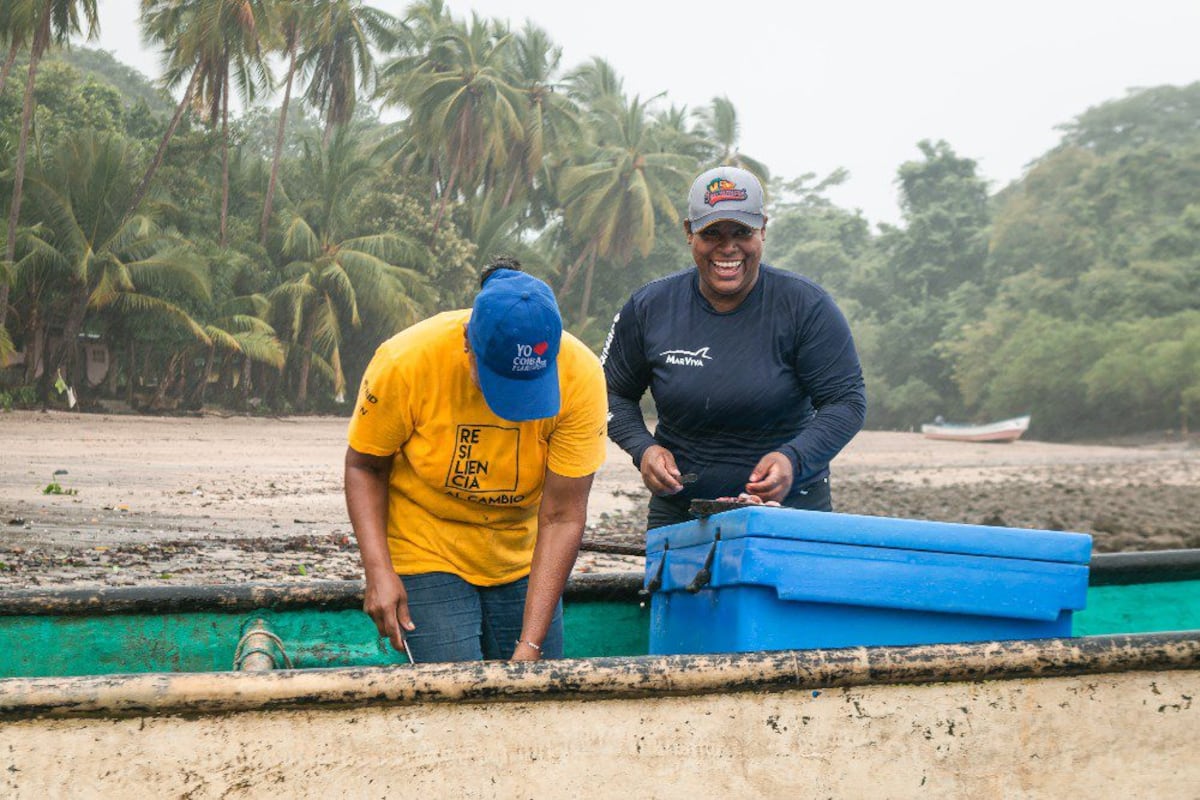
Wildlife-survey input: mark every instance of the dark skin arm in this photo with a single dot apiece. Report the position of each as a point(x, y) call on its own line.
point(384, 598)
point(561, 520)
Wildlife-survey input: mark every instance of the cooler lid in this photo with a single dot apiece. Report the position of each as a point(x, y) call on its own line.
point(866, 531)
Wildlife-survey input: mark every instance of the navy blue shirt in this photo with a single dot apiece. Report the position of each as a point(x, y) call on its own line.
point(777, 373)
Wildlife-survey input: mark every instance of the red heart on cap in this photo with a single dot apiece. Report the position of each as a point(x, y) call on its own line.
point(540, 348)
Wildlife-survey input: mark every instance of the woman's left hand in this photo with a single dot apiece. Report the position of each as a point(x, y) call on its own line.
point(772, 477)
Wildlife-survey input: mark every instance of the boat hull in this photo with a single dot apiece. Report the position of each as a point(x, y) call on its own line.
point(1107, 717)
point(1008, 430)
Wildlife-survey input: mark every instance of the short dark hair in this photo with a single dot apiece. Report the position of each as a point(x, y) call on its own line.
point(499, 262)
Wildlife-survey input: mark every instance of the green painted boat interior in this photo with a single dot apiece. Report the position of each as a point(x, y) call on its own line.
point(50, 646)
point(1140, 608)
point(59, 645)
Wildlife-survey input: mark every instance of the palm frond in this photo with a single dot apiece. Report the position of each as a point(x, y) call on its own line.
point(161, 311)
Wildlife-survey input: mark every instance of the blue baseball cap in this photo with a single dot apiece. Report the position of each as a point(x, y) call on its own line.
point(515, 331)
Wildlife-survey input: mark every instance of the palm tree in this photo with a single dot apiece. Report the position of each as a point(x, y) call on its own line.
point(92, 258)
point(169, 24)
point(334, 280)
point(464, 106)
point(204, 40)
point(16, 24)
point(610, 200)
point(291, 27)
point(54, 22)
point(595, 84)
point(6, 346)
point(240, 332)
point(719, 124)
point(330, 41)
point(338, 57)
point(676, 134)
point(549, 117)
point(240, 27)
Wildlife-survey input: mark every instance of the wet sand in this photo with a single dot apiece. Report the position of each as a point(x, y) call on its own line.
point(165, 500)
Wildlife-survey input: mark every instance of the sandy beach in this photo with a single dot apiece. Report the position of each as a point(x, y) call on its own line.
point(173, 500)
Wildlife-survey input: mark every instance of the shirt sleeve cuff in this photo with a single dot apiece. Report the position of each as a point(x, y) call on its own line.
point(793, 455)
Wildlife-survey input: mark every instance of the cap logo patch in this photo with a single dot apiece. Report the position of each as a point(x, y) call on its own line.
point(529, 358)
point(721, 190)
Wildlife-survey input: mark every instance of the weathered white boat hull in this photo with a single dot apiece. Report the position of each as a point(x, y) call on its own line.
point(987, 720)
point(1008, 430)
point(1130, 735)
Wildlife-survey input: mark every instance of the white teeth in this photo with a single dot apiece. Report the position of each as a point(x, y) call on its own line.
point(727, 264)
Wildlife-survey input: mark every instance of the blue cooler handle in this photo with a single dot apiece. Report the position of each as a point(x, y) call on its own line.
point(655, 583)
point(705, 574)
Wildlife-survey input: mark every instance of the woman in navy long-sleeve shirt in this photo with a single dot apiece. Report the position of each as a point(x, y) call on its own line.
point(752, 369)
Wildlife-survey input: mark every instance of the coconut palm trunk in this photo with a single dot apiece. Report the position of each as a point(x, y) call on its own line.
point(306, 344)
point(167, 382)
point(279, 134)
point(160, 154)
point(8, 64)
point(464, 126)
point(585, 303)
point(35, 344)
point(130, 372)
point(572, 272)
point(206, 375)
point(41, 40)
point(225, 159)
point(67, 351)
point(245, 384)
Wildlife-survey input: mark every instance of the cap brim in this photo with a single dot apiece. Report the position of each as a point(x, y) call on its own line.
point(520, 400)
point(746, 218)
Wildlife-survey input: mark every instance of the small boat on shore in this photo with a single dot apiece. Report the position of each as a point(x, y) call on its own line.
point(1008, 430)
point(224, 691)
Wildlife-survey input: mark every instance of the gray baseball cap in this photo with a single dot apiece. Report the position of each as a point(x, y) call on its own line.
point(726, 193)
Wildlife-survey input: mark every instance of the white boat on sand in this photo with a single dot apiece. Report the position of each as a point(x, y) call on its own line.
point(1008, 430)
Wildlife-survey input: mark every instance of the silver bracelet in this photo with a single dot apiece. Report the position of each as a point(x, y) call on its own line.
point(537, 647)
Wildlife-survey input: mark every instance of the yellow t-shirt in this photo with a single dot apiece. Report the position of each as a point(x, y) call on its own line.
point(465, 484)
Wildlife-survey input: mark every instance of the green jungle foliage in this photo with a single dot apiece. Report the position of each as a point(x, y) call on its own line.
point(255, 260)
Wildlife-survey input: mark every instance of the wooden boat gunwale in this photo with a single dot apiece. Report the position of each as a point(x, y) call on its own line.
point(192, 694)
point(1105, 569)
point(251, 595)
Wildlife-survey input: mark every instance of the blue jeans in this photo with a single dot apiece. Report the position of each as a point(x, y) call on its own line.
point(458, 621)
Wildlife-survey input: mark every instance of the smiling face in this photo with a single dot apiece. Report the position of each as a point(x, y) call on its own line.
point(727, 254)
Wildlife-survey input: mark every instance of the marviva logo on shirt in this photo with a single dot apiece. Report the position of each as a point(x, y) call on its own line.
point(687, 358)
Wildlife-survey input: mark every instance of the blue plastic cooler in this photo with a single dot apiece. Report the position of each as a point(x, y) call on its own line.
point(779, 579)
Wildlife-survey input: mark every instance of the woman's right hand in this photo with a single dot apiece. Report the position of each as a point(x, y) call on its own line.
point(386, 601)
point(659, 472)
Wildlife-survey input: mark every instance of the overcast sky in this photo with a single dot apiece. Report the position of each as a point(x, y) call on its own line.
point(855, 84)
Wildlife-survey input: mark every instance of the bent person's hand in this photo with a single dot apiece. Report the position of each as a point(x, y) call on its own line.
point(659, 472)
point(386, 602)
point(525, 651)
point(772, 477)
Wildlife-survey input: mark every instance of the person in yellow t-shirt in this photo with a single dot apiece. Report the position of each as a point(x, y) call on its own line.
point(471, 454)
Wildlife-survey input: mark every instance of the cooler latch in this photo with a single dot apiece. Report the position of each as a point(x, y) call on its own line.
point(655, 583)
point(705, 574)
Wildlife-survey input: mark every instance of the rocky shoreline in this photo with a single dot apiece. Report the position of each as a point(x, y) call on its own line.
point(153, 501)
